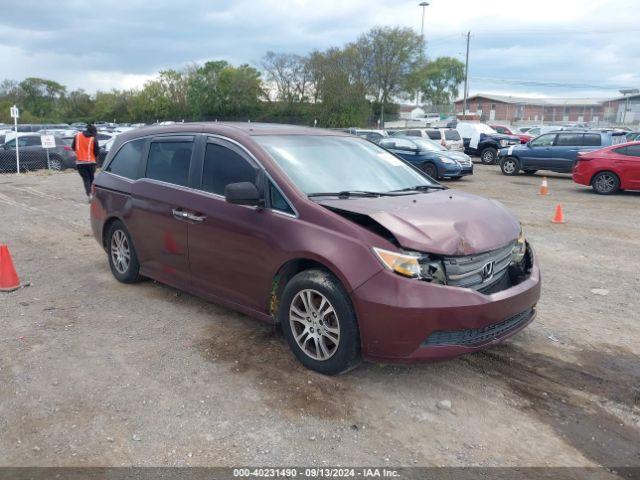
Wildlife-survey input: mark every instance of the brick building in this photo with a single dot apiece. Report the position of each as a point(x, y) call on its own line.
point(504, 108)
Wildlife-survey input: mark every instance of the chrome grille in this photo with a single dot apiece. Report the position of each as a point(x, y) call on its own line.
point(478, 271)
point(464, 162)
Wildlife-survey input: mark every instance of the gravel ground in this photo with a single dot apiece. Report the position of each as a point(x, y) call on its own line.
point(94, 372)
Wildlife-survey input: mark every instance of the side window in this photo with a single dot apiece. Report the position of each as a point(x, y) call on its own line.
point(569, 140)
point(534, 131)
point(413, 133)
point(33, 142)
point(277, 201)
point(223, 166)
point(126, 163)
point(433, 134)
point(169, 162)
point(591, 140)
point(544, 140)
point(630, 150)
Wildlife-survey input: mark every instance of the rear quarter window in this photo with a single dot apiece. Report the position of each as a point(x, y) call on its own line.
point(126, 162)
point(593, 140)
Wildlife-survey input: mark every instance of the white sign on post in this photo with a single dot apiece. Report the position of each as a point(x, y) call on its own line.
point(48, 141)
point(15, 113)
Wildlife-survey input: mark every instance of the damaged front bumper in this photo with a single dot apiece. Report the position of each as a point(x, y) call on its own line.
point(408, 320)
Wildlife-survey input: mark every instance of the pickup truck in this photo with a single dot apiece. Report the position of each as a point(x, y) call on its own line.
point(482, 140)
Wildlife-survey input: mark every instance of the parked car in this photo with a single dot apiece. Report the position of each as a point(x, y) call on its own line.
point(480, 139)
point(34, 157)
point(524, 137)
point(556, 151)
point(447, 137)
point(610, 169)
point(370, 134)
point(542, 129)
point(524, 129)
point(354, 252)
point(429, 156)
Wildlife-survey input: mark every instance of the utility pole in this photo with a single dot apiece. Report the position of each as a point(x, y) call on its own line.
point(466, 77)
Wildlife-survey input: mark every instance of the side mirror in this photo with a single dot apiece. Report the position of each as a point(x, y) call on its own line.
point(243, 193)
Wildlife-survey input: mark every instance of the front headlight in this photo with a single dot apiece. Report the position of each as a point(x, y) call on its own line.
point(412, 265)
point(519, 249)
point(448, 161)
point(403, 263)
point(504, 143)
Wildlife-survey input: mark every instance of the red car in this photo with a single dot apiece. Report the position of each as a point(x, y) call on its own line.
point(352, 250)
point(524, 138)
point(609, 169)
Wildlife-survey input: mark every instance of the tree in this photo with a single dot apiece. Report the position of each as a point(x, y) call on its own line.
point(439, 80)
point(41, 97)
point(387, 56)
point(290, 75)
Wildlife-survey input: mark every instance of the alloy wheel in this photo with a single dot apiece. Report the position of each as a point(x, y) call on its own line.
point(605, 183)
point(120, 251)
point(487, 157)
point(509, 166)
point(314, 324)
point(55, 164)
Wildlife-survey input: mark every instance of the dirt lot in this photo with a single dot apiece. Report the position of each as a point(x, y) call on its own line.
point(94, 372)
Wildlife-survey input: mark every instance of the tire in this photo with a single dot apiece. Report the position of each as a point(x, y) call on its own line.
point(330, 347)
point(510, 166)
point(126, 270)
point(430, 169)
point(530, 172)
point(488, 156)
point(605, 183)
point(56, 163)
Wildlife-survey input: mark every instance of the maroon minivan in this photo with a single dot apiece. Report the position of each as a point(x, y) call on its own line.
point(353, 251)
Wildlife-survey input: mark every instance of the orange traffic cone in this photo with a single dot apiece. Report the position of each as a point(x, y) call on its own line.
point(559, 216)
point(9, 280)
point(544, 188)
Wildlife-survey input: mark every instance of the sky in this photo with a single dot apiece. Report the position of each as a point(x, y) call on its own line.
point(561, 48)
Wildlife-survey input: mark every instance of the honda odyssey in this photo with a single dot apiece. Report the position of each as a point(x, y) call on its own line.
point(353, 251)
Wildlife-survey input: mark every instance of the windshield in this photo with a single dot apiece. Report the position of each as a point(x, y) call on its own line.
point(317, 163)
point(430, 145)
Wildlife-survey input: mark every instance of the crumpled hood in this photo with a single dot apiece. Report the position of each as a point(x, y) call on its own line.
point(445, 222)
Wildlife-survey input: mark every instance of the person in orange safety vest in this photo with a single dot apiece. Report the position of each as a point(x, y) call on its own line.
point(85, 144)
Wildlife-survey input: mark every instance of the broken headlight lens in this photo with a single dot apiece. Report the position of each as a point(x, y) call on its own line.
point(412, 265)
point(519, 249)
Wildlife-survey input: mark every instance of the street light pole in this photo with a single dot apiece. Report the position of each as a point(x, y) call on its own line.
point(424, 5)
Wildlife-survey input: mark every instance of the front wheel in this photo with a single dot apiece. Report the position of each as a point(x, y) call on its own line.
point(488, 156)
point(56, 163)
point(606, 183)
point(319, 323)
point(510, 166)
point(122, 256)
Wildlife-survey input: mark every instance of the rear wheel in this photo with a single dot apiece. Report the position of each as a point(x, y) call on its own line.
point(319, 323)
point(488, 156)
point(430, 169)
point(510, 166)
point(606, 183)
point(122, 256)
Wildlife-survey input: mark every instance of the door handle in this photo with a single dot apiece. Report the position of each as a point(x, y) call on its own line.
point(180, 214)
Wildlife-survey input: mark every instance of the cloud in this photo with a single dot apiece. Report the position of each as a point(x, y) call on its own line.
point(117, 44)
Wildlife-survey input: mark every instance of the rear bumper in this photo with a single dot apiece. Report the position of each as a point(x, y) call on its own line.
point(406, 320)
point(581, 175)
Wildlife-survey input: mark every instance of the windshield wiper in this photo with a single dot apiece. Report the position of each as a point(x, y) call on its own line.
point(421, 188)
point(349, 193)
